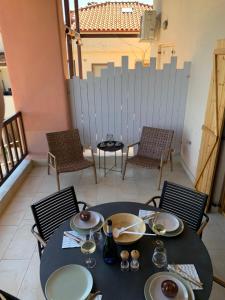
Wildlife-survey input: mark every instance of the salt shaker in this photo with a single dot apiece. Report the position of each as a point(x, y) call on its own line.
point(124, 265)
point(134, 264)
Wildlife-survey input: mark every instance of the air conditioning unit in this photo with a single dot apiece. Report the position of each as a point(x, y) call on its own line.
point(148, 25)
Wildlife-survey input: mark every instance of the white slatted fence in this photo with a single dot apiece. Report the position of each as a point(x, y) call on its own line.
point(122, 101)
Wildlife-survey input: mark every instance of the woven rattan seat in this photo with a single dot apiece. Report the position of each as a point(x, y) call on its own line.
point(66, 153)
point(154, 150)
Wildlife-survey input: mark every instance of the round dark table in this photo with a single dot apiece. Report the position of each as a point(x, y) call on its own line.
point(186, 248)
point(113, 147)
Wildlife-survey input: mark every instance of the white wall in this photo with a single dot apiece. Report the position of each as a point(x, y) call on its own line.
point(104, 50)
point(194, 26)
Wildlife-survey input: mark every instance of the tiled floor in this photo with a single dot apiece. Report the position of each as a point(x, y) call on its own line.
point(19, 261)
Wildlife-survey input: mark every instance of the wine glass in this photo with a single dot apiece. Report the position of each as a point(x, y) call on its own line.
point(159, 257)
point(88, 246)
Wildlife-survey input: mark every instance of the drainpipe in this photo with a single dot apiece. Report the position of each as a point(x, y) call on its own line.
point(76, 7)
point(68, 39)
point(2, 111)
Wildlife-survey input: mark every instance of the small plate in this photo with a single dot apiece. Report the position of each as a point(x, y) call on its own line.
point(155, 290)
point(71, 282)
point(169, 221)
point(175, 232)
point(86, 231)
point(92, 222)
point(152, 288)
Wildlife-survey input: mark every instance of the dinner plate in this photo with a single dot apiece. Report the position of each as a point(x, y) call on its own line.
point(176, 232)
point(169, 221)
point(92, 222)
point(85, 231)
point(152, 288)
point(71, 282)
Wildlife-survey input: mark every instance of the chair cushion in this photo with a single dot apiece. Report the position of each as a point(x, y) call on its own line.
point(74, 166)
point(145, 162)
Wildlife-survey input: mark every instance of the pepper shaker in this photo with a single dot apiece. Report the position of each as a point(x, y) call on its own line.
point(134, 264)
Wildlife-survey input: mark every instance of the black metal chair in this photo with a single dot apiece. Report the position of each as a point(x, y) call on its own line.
point(6, 296)
point(186, 203)
point(52, 211)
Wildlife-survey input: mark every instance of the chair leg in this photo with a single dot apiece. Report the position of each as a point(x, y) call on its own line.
point(48, 169)
point(95, 174)
point(171, 161)
point(160, 177)
point(124, 169)
point(57, 179)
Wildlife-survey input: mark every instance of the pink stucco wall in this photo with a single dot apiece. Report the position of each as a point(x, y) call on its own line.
point(31, 37)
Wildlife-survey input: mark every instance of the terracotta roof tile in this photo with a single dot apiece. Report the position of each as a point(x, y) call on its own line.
point(109, 17)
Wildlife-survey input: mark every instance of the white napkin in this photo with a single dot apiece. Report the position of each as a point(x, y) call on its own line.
point(69, 243)
point(190, 270)
point(145, 213)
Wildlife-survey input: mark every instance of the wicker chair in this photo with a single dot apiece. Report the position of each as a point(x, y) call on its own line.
point(52, 211)
point(186, 203)
point(154, 150)
point(66, 153)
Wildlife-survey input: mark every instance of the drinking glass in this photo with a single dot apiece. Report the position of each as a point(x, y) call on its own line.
point(88, 246)
point(159, 257)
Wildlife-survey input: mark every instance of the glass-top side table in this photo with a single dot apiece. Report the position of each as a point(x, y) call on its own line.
point(110, 146)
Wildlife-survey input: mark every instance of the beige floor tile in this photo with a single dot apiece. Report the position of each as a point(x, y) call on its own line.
point(31, 288)
point(218, 293)
point(6, 235)
point(23, 243)
point(11, 274)
point(12, 218)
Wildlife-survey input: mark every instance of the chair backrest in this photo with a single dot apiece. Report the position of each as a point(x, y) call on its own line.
point(154, 141)
point(65, 145)
point(186, 203)
point(51, 211)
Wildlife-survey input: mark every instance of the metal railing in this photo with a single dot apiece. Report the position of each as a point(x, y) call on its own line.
point(13, 147)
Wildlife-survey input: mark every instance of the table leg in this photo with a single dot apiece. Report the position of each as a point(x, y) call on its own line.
point(104, 165)
point(121, 160)
point(99, 164)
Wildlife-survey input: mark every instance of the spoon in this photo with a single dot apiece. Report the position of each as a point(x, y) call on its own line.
point(118, 231)
point(134, 232)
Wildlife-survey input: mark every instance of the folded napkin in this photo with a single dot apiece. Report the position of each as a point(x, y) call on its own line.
point(69, 243)
point(189, 270)
point(145, 213)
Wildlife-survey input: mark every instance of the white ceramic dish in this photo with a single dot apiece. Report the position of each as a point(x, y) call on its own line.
point(86, 231)
point(169, 221)
point(71, 282)
point(92, 222)
point(155, 290)
point(154, 282)
point(175, 232)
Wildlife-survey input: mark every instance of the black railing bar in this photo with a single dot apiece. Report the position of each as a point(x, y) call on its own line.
point(1, 174)
point(14, 142)
point(4, 156)
point(19, 139)
point(12, 118)
point(8, 145)
point(23, 133)
point(13, 169)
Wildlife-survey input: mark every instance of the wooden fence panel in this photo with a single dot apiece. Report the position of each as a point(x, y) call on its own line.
point(122, 101)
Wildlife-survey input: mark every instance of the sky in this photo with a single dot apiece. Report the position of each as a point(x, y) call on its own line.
point(84, 2)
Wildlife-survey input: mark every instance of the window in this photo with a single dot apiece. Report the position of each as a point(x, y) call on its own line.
point(97, 68)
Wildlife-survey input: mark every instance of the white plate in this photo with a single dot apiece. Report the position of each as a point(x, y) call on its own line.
point(156, 292)
point(71, 282)
point(169, 221)
point(86, 231)
point(152, 294)
point(91, 223)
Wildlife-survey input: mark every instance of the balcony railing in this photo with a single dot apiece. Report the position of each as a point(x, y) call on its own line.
point(13, 148)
